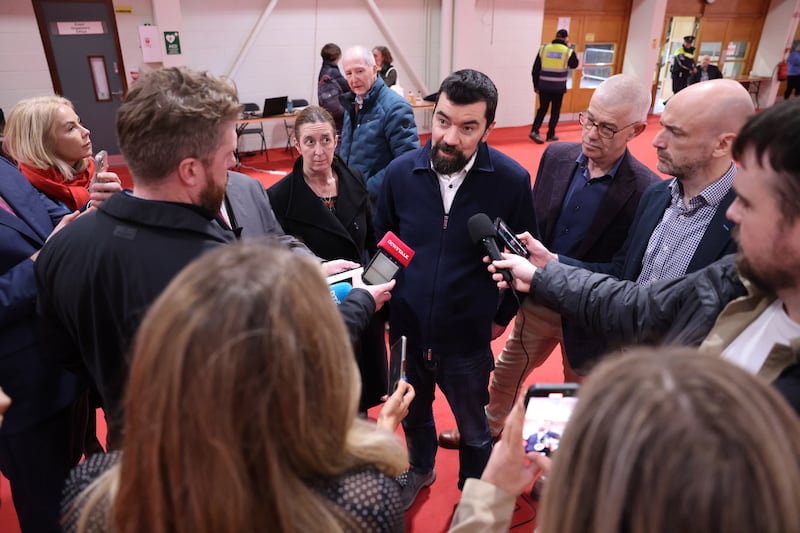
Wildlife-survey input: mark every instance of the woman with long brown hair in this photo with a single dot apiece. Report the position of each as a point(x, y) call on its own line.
point(660, 441)
point(240, 411)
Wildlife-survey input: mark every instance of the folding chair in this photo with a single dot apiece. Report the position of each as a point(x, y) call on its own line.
point(257, 128)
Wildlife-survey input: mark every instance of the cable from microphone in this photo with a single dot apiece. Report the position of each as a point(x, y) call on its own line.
point(482, 231)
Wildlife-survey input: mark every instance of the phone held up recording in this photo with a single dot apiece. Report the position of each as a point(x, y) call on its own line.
point(548, 407)
point(509, 239)
point(100, 163)
point(397, 363)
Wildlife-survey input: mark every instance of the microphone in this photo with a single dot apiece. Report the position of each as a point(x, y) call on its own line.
point(339, 291)
point(482, 231)
point(393, 254)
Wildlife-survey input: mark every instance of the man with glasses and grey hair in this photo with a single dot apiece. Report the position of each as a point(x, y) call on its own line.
point(585, 198)
point(680, 225)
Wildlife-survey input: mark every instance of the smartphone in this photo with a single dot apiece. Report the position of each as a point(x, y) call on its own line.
point(381, 269)
point(509, 239)
point(100, 164)
point(346, 275)
point(548, 407)
point(391, 256)
point(397, 363)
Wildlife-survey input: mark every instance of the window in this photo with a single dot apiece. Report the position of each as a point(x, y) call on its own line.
point(734, 59)
point(710, 49)
point(598, 64)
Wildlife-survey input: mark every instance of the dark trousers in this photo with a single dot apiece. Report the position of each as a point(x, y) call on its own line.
point(464, 380)
point(36, 462)
point(679, 82)
point(553, 101)
point(792, 84)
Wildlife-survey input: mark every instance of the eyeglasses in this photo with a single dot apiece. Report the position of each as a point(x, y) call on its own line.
point(604, 130)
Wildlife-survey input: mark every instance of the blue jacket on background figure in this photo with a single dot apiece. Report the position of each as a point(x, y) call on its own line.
point(383, 129)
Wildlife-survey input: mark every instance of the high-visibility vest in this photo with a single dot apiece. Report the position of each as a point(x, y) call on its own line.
point(553, 76)
point(684, 59)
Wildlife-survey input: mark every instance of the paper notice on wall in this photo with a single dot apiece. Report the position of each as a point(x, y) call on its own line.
point(563, 23)
point(150, 41)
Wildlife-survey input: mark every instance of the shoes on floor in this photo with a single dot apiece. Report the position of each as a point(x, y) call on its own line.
point(451, 439)
point(552, 138)
point(412, 482)
point(536, 138)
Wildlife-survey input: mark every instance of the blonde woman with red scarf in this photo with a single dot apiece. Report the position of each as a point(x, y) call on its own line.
point(53, 151)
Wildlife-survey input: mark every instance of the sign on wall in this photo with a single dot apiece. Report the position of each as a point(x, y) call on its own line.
point(173, 43)
point(149, 41)
point(79, 28)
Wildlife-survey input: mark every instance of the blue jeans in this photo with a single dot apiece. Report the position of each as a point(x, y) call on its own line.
point(464, 380)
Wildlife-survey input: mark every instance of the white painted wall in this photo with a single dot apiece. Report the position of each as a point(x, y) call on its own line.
point(644, 34)
point(498, 37)
point(284, 57)
point(23, 67)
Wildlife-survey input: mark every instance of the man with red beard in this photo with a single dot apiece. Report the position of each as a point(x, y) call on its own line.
point(444, 302)
point(745, 310)
point(177, 131)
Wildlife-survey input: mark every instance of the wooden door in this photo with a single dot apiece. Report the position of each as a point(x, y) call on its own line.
point(599, 41)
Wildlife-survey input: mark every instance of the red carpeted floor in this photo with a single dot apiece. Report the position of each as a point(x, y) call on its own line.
point(435, 505)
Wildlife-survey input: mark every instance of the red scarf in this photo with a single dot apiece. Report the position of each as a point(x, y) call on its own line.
point(74, 194)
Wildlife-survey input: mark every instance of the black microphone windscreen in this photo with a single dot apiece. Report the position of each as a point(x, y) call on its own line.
point(480, 227)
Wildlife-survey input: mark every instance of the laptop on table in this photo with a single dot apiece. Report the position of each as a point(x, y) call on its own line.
point(274, 106)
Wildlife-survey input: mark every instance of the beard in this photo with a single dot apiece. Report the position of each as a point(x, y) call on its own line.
point(446, 165)
point(666, 165)
point(769, 278)
point(212, 194)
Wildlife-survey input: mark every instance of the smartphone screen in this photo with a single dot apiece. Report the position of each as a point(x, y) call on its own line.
point(397, 363)
point(509, 239)
point(547, 410)
point(380, 270)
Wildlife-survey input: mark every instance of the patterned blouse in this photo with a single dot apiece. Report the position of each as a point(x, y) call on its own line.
point(366, 497)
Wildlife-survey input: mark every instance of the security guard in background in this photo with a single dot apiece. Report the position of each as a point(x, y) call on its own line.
point(550, 71)
point(683, 64)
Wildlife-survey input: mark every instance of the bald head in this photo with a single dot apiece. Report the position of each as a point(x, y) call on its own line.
point(625, 91)
point(359, 53)
point(360, 70)
point(699, 125)
point(725, 105)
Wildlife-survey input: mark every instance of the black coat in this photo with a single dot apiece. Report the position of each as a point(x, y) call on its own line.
point(97, 277)
point(332, 84)
point(716, 243)
point(676, 311)
point(713, 74)
point(345, 234)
